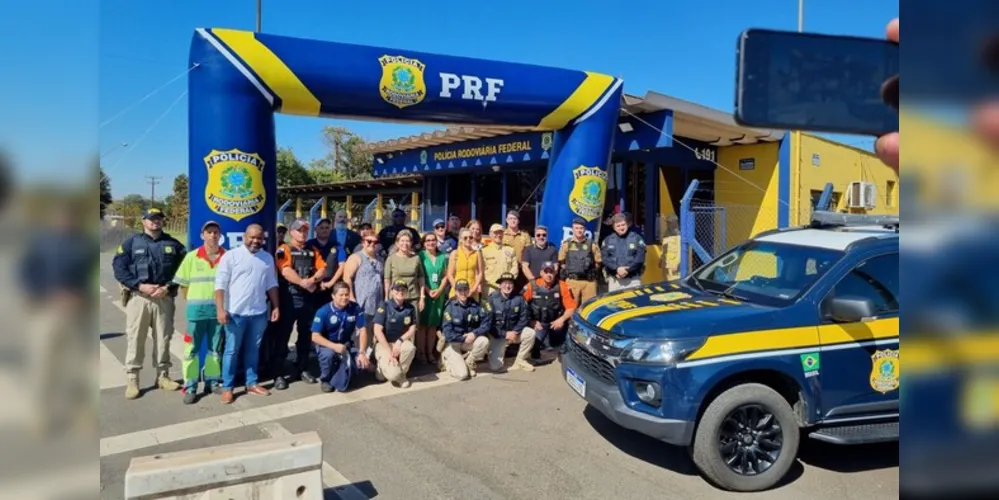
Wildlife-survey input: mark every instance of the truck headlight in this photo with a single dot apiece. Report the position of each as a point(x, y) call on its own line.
point(660, 352)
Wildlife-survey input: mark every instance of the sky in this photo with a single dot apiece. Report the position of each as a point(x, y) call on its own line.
point(682, 49)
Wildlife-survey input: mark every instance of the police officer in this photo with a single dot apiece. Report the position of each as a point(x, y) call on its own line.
point(465, 326)
point(301, 269)
point(145, 265)
point(333, 330)
point(623, 253)
point(395, 331)
point(580, 259)
point(386, 237)
point(498, 259)
point(509, 318)
point(551, 304)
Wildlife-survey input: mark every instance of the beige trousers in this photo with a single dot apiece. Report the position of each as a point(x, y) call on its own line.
point(395, 373)
point(148, 317)
point(614, 283)
point(497, 349)
point(459, 357)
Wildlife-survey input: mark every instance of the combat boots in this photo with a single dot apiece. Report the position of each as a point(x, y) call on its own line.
point(132, 388)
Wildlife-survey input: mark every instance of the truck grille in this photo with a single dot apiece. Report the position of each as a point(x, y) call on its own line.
point(591, 362)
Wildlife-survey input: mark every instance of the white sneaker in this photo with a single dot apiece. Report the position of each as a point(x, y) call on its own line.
point(405, 384)
point(522, 365)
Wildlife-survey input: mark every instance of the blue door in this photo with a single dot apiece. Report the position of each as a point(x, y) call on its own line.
point(858, 363)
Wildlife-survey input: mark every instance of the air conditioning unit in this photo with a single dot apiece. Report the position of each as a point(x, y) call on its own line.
point(862, 195)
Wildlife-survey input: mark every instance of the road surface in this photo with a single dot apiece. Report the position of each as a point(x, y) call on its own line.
point(510, 436)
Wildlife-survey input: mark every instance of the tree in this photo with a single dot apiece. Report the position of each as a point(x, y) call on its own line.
point(177, 202)
point(347, 159)
point(106, 198)
point(290, 172)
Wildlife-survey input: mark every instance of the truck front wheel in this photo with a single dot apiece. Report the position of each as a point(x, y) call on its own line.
point(747, 438)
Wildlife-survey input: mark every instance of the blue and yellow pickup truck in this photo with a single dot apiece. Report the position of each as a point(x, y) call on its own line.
point(796, 329)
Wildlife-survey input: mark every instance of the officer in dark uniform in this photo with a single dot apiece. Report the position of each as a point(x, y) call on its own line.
point(301, 268)
point(509, 318)
point(580, 260)
point(623, 252)
point(395, 332)
point(552, 304)
point(386, 237)
point(465, 326)
point(145, 265)
point(332, 332)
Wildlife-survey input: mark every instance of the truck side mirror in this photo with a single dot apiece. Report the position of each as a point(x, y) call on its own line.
point(850, 309)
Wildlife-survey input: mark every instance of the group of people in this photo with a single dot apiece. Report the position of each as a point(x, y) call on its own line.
point(361, 300)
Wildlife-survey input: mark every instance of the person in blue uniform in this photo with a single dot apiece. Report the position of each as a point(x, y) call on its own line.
point(395, 332)
point(623, 254)
point(145, 265)
point(333, 331)
point(510, 314)
point(465, 327)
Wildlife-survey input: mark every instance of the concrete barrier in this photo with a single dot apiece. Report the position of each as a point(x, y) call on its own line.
point(283, 468)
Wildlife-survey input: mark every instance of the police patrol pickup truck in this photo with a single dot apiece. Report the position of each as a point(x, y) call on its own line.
point(794, 330)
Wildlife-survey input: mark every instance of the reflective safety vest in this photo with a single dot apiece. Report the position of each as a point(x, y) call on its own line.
point(579, 260)
point(303, 261)
point(546, 303)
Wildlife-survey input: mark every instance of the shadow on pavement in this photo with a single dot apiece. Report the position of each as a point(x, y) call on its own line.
point(106, 336)
point(673, 458)
point(365, 487)
point(848, 459)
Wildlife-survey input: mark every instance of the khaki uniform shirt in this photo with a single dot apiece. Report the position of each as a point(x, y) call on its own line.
point(499, 259)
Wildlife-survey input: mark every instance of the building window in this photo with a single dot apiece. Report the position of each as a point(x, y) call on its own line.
point(890, 194)
point(816, 194)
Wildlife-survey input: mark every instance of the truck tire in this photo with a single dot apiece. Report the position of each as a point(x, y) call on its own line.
point(752, 427)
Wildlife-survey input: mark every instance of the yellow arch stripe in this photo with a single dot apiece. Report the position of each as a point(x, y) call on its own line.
point(296, 99)
point(582, 98)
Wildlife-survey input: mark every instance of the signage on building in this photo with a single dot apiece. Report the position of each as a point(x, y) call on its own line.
point(508, 149)
point(747, 164)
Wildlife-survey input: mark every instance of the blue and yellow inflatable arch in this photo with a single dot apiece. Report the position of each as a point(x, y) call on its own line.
point(242, 78)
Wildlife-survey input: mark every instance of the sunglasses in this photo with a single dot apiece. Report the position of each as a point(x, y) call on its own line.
point(370, 242)
point(439, 226)
point(541, 235)
point(466, 238)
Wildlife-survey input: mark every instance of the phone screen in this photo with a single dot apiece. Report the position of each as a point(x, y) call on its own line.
point(822, 83)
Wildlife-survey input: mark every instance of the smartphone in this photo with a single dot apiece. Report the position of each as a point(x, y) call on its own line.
point(820, 83)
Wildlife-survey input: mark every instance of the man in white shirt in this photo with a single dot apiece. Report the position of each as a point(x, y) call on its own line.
point(245, 280)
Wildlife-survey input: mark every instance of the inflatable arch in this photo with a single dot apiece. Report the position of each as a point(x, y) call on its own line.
point(242, 78)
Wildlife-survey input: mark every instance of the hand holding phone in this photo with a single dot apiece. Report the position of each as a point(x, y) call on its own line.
point(821, 83)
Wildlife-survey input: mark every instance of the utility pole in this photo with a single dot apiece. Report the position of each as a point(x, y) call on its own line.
point(258, 15)
point(796, 141)
point(153, 181)
point(801, 15)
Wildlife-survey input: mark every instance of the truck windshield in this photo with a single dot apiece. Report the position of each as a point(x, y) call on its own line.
point(766, 272)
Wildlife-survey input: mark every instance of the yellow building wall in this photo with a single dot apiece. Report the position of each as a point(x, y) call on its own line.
point(748, 196)
point(839, 164)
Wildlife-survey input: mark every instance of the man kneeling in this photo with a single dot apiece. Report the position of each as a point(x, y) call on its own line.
point(465, 327)
point(509, 318)
point(332, 330)
point(395, 329)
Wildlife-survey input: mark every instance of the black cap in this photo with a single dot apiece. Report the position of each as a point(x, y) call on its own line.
point(548, 265)
point(152, 213)
point(579, 220)
point(400, 284)
point(398, 211)
point(461, 285)
point(506, 277)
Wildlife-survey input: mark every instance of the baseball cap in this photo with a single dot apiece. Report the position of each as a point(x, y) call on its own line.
point(506, 277)
point(210, 224)
point(548, 265)
point(495, 227)
point(461, 285)
point(152, 212)
point(398, 211)
point(400, 284)
point(579, 220)
point(438, 222)
point(299, 224)
point(281, 225)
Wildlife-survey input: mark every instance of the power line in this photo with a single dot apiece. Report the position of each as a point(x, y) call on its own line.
point(138, 141)
point(147, 96)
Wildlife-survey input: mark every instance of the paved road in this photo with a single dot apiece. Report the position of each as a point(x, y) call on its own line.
point(514, 435)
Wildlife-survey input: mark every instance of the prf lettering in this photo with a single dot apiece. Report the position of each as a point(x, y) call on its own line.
point(470, 87)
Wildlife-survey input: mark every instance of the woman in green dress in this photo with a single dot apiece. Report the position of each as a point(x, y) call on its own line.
point(435, 270)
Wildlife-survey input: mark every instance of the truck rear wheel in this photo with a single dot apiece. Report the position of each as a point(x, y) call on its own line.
point(747, 438)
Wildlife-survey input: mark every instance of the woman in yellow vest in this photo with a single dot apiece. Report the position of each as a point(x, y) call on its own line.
point(671, 249)
point(465, 263)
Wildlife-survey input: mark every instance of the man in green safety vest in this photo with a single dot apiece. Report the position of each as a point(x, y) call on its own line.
point(196, 277)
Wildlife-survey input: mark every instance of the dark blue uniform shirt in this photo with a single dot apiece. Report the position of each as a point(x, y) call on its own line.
point(338, 325)
point(624, 251)
point(509, 314)
point(395, 319)
point(141, 260)
point(469, 317)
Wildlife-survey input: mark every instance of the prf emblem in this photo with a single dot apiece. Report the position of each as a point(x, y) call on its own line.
point(402, 83)
point(587, 196)
point(885, 370)
point(235, 187)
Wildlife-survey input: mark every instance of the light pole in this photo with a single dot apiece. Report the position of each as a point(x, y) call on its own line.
point(796, 142)
point(258, 15)
point(801, 15)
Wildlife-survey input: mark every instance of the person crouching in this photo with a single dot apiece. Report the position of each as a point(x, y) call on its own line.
point(332, 332)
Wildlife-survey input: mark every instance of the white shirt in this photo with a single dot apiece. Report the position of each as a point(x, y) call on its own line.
point(246, 277)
